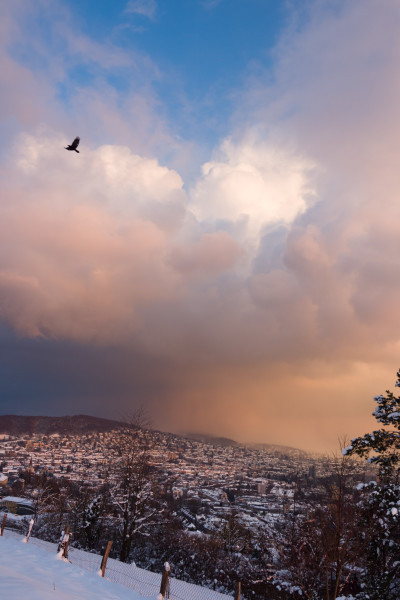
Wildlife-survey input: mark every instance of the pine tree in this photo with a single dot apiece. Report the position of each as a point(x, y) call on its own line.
point(384, 442)
point(380, 518)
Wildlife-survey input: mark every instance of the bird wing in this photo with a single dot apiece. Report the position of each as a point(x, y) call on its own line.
point(75, 143)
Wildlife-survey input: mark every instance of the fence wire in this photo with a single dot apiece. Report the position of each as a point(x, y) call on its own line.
point(181, 590)
point(145, 583)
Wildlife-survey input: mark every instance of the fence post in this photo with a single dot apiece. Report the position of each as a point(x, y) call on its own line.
point(104, 559)
point(63, 545)
point(66, 541)
point(3, 523)
point(238, 589)
point(164, 589)
point(31, 522)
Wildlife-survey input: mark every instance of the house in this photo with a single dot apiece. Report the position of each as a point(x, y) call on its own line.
point(17, 506)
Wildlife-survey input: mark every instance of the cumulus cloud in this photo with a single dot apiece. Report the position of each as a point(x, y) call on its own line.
point(213, 253)
point(253, 184)
point(91, 242)
point(104, 247)
point(85, 240)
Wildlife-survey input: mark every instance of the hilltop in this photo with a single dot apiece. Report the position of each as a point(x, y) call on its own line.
point(19, 425)
point(210, 439)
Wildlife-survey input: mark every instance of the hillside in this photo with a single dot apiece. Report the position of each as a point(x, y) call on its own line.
point(35, 571)
point(227, 442)
point(19, 425)
point(27, 571)
point(78, 424)
point(210, 439)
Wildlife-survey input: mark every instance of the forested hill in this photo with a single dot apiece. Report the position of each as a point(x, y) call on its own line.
point(17, 424)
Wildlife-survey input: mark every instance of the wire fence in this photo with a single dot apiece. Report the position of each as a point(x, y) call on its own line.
point(145, 583)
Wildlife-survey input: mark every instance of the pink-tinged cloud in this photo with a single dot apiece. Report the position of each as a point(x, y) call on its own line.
point(90, 242)
point(212, 254)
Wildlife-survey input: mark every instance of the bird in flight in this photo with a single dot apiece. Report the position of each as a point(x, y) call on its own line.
point(74, 145)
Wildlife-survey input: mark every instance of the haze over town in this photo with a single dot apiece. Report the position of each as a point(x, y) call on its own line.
point(224, 249)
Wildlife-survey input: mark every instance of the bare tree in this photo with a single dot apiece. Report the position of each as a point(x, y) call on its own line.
point(319, 551)
point(44, 494)
point(234, 535)
point(134, 496)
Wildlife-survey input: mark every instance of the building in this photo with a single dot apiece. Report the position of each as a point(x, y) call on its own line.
point(17, 506)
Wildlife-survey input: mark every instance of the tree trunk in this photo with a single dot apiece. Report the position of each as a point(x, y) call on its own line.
point(125, 548)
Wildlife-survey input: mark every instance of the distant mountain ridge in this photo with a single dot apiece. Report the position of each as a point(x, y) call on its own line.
point(278, 448)
point(17, 424)
point(210, 439)
point(223, 441)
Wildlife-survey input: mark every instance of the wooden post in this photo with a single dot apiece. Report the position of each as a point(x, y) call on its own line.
point(31, 522)
point(238, 590)
point(3, 523)
point(164, 589)
point(104, 559)
point(60, 541)
point(65, 542)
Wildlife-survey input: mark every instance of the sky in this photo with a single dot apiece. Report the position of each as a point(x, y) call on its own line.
point(224, 251)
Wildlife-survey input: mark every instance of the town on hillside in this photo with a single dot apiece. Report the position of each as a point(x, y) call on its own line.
point(125, 484)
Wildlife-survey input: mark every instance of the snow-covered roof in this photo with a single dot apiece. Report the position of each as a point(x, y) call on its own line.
point(17, 500)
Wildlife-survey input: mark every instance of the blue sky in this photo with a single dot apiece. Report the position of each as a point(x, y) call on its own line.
point(227, 235)
point(194, 58)
point(203, 51)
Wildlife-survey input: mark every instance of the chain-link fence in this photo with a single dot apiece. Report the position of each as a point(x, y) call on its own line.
point(146, 583)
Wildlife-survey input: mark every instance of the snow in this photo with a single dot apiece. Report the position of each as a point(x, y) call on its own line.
point(17, 500)
point(36, 571)
point(30, 572)
point(11, 516)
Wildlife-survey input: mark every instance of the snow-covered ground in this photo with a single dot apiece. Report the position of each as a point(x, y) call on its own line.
point(27, 571)
point(33, 570)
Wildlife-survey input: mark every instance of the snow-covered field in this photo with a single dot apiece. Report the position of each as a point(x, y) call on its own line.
point(33, 570)
point(27, 571)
